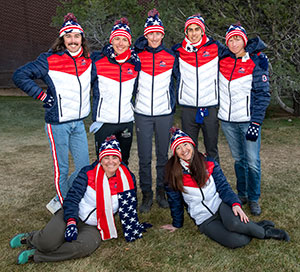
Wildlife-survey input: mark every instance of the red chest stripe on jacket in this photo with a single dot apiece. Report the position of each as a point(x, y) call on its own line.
point(162, 62)
point(112, 71)
point(65, 64)
point(190, 182)
point(204, 55)
point(241, 68)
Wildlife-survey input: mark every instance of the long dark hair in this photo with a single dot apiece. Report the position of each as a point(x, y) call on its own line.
point(59, 46)
point(173, 171)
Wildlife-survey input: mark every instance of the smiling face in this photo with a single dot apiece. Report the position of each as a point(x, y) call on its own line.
point(154, 39)
point(194, 33)
point(120, 44)
point(237, 46)
point(73, 41)
point(110, 165)
point(185, 151)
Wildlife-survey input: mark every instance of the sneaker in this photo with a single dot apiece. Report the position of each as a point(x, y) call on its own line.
point(266, 224)
point(25, 255)
point(54, 205)
point(254, 208)
point(146, 202)
point(18, 240)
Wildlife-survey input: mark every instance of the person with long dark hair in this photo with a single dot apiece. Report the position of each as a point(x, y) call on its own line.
point(66, 70)
point(198, 182)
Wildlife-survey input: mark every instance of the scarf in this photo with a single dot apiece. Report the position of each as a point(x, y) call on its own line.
point(132, 228)
point(193, 47)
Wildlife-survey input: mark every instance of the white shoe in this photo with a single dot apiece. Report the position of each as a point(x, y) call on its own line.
point(54, 205)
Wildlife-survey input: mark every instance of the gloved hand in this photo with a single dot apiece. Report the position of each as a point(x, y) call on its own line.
point(201, 113)
point(71, 231)
point(49, 101)
point(253, 132)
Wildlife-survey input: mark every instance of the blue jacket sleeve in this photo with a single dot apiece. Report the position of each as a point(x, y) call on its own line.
point(24, 76)
point(223, 187)
point(176, 203)
point(260, 94)
point(76, 193)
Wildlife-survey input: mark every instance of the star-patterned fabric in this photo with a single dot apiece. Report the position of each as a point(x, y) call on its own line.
point(179, 137)
point(110, 146)
point(132, 228)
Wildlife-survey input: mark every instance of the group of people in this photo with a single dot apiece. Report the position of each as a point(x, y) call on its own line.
point(210, 82)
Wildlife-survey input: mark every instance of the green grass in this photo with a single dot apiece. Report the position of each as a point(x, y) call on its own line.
point(27, 186)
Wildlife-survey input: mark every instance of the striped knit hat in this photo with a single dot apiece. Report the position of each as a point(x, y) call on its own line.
point(195, 19)
point(110, 146)
point(121, 28)
point(153, 23)
point(179, 137)
point(70, 25)
point(236, 30)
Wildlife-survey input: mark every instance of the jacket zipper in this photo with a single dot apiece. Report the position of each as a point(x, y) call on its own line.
point(80, 105)
point(119, 114)
point(153, 70)
point(203, 198)
point(247, 103)
point(197, 85)
point(168, 97)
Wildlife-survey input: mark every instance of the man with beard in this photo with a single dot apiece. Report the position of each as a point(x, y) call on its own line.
point(66, 70)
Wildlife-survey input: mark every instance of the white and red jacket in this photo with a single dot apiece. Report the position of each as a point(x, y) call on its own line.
point(198, 75)
point(244, 85)
point(154, 94)
point(68, 80)
point(113, 87)
point(204, 202)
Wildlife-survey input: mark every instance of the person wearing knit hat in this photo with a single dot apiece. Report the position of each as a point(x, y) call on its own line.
point(197, 86)
point(196, 182)
point(154, 107)
point(117, 68)
point(244, 75)
point(66, 70)
point(100, 190)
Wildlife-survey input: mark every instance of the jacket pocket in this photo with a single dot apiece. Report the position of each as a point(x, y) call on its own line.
point(247, 105)
point(180, 93)
point(168, 99)
point(60, 106)
point(100, 104)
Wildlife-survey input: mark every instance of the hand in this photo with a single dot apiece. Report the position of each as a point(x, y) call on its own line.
point(71, 232)
point(169, 227)
point(48, 100)
point(201, 113)
point(253, 132)
point(237, 210)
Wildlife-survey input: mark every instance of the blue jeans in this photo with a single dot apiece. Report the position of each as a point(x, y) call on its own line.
point(247, 160)
point(63, 138)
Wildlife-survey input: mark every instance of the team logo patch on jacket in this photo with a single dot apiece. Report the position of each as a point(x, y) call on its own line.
point(83, 62)
point(162, 64)
point(241, 70)
point(264, 78)
point(205, 54)
point(129, 71)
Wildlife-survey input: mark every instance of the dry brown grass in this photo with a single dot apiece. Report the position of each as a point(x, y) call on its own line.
point(27, 186)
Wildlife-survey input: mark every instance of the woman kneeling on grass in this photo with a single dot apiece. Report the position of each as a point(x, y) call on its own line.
point(99, 191)
point(199, 182)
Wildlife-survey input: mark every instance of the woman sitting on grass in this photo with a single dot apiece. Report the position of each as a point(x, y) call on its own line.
point(99, 191)
point(199, 183)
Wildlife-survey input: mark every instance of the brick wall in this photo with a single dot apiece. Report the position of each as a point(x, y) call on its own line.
point(25, 33)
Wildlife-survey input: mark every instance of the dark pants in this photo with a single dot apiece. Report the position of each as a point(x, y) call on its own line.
point(228, 230)
point(145, 127)
point(51, 246)
point(123, 133)
point(210, 129)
